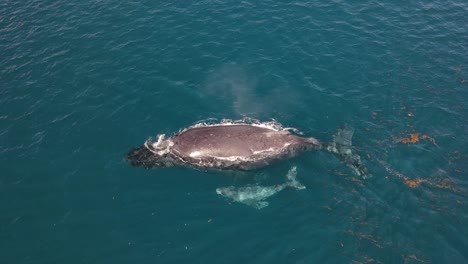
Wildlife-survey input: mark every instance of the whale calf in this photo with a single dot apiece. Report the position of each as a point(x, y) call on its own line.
point(238, 146)
point(255, 195)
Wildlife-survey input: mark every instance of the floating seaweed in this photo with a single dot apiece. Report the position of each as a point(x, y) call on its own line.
point(414, 138)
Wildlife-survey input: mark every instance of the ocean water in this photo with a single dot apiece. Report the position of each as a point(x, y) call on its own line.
point(82, 82)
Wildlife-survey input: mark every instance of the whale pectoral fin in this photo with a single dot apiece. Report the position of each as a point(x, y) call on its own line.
point(260, 204)
point(292, 179)
point(257, 204)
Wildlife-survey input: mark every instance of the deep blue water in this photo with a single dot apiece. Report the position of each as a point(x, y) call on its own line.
point(82, 82)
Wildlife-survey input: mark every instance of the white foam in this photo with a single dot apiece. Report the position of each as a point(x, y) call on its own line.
point(157, 144)
point(160, 147)
point(273, 124)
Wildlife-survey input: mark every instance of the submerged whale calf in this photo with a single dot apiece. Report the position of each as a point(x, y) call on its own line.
point(255, 195)
point(238, 146)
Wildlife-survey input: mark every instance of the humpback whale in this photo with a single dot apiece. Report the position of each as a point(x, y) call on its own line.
point(238, 146)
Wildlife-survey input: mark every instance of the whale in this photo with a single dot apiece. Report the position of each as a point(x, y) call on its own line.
point(239, 146)
point(255, 195)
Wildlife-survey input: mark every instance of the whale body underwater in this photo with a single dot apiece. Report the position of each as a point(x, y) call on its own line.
point(238, 147)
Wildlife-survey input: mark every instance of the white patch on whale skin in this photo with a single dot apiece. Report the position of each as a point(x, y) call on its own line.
point(272, 150)
point(231, 158)
point(264, 150)
point(195, 154)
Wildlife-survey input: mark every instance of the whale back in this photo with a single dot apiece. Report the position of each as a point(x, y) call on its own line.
point(227, 147)
point(226, 141)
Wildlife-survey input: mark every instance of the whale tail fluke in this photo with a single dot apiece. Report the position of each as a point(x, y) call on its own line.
point(291, 179)
point(341, 145)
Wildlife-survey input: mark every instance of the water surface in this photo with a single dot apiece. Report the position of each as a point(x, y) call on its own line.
point(82, 82)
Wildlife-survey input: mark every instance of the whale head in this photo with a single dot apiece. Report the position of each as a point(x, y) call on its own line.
point(142, 157)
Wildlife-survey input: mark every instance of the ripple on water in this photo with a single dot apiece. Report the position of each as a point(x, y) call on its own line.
point(83, 82)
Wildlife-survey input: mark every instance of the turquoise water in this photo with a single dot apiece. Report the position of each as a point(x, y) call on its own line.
point(82, 82)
